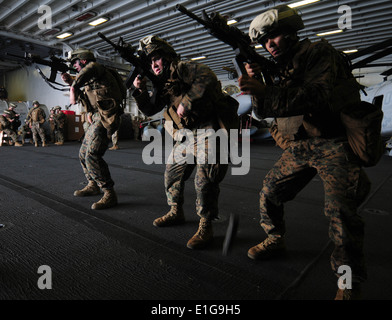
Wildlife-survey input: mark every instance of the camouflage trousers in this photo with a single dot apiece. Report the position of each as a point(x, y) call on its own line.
point(10, 133)
point(94, 146)
point(115, 136)
point(37, 130)
point(59, 135)
point(346, 187)
point(207, 179)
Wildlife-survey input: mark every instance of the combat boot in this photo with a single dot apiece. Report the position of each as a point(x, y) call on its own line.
point(267, 248)
point(173, 217)
point(115, 147)
point(36, 144)
point(108, 200)
point(91, 189)
point(17, 144)
point(44, 144)
point(203, 236)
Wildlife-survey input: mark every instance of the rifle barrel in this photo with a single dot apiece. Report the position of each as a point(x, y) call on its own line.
point(103, 37)
point(184, 10)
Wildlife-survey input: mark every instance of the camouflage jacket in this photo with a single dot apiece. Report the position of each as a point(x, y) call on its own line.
point(314, 86)
point(60, 119)
point(102, 94)
point(36, 114)
point(197, 88)
point(4, 123)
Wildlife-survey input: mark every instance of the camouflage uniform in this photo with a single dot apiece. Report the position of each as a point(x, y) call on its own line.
point(25, 131)
point(52, 125)
point(115, 137)
point(15, 124)
point(197, 88)
point(36, 118)
point(103, 97)
point(315, 85)
point(6, 126)
point(60, 121)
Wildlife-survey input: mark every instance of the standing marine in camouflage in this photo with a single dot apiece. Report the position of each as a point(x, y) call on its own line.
point(6, 127)
point(195, 100)
point(315, 85)
point(102, 98)
point(52, 125)
point(36, 118)
point(60, 122)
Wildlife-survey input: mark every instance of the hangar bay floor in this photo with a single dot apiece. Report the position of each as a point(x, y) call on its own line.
point(119, 254)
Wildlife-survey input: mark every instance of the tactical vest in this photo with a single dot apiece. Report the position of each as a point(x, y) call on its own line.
point(37, 115)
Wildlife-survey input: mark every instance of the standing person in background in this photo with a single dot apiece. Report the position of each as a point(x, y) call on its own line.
point(52, 125)
point(36, 118)
point(60, 121)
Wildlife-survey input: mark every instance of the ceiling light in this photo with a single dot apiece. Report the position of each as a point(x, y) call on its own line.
point(258, 46)
point(198, 58)
point(301, 3)
point(231, 21)
point(64, 35)
point(86, 16)
point(329, 32)
point(351, 51)
point(98, 21)
point(51, 32)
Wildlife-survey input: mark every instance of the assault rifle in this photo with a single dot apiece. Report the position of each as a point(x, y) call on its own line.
point(217, 26)
point(139, 65)
point(55, 64)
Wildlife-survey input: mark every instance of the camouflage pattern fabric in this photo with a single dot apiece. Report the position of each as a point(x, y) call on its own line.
point(207, 176)
point(24, 131)
point(102, 102)
point(37, 130)
point(36, 114)
point(103, 93)
point(15, 124)
point(52, 125)
point(94, 146)
point(60, 120)
point(198, 89)
point(11, 133)
point(334, 162)
point(316, 84)
point(36, 117)
point(115, 135)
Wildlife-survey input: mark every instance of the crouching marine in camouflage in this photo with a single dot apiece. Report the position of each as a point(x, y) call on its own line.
point(102, 99)
point(315, 85)
point(194, 100)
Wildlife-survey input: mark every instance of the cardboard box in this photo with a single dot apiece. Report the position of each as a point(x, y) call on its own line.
point(74, 127)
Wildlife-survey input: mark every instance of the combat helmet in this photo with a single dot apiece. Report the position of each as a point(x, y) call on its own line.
point(82, 54)
point(151, 44)
point(12, 105)
point(35, 102)
point(281, 18)
point(7, 112)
